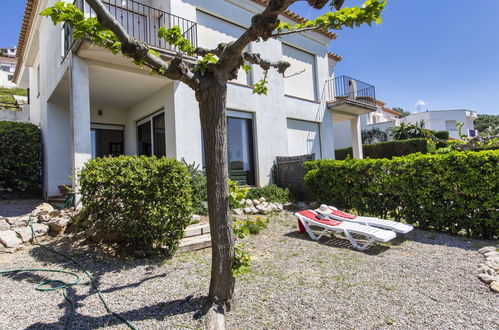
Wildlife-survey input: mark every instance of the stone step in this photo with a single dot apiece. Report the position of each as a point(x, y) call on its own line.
point(56, 199)
point(194, 243)
point(197, 229)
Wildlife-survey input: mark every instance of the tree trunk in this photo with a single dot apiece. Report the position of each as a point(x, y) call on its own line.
point(212, 103)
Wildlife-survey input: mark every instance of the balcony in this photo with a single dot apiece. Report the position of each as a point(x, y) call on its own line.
point(350, 97)
point(141, 21)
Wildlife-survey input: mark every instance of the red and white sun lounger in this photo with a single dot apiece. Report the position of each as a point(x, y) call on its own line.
point(395, 226)
point(309, 218)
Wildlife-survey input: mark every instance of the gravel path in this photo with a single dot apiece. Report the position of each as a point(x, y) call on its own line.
point(426, 281)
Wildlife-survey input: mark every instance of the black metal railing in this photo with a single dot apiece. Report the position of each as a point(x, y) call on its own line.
point(141, 22)
point(344, 88)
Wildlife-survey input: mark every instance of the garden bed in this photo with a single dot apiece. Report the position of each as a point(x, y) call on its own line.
point(427, 280)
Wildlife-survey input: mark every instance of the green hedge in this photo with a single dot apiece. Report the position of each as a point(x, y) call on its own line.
point(390, 149)
point(457, 192)
point(444, 135)
point(144, 200)
point(271, 193)
point(20, 156)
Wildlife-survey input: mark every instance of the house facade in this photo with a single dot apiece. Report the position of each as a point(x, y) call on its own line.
point(446, 120)
point(7, 69)
point(90, 103)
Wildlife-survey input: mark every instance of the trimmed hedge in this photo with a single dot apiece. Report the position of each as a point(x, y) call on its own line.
point(271, 193)
point(145, 201)
point(457, 192)
point(390, 149)
point(20, 160)
point(444, 135)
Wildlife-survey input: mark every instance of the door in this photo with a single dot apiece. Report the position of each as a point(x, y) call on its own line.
point(240, 149)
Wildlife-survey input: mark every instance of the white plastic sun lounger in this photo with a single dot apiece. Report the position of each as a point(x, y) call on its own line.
point(309, 218)
point(395, 226)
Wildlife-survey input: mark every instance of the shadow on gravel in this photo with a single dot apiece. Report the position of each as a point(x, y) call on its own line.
point(99, 260)
point(17, 207)
point(159, 311)
point(339, 242)
point(436, 238)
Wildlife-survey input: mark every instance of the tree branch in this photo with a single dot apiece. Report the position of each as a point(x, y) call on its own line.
point(255, 58)
point(139, 51)
point(275, 35)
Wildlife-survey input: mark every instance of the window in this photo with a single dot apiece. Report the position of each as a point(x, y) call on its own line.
point(240, 147)
point(10, 76)
point(38, 80)
point(151, 138)
point(106, 140)
point(5, 68)
point(303, 138)
point(450, 125)
point(303, 84)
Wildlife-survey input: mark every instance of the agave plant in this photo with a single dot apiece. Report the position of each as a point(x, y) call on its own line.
point(410, 131)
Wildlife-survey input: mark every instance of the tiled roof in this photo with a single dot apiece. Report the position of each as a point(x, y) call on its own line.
point(299, 19)
point(25, 27)
point(335, 57)
point(5, 59)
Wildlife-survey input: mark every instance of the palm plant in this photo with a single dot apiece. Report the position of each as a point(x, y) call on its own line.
point(409, 131)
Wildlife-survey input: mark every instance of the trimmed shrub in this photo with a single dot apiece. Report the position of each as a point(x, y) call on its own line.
point(271, 193)
point(390, 149)
point(457, 192)
point(144, 200)
point(20, 160)
point(444, 135)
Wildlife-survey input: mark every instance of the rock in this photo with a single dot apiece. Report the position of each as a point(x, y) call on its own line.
point(58, 225)
point(263, 209)
point(279, 206)
point(21, 221)
point(195, 218)
point(44, 208)
point(491, 254)
point(262, 199)
point(248, 203)
point(494, 286)
point(488, 278)
point(9, 239)
point(238, 211)
point(487, 249)
point(56, 214)
point(493, 265)
point(43, 218)
point(4, 225)
point(273, 206)
point(255, 202)
point(314, 205)
point(24, 233)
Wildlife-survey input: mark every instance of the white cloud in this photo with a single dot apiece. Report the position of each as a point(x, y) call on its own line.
point(421, 103)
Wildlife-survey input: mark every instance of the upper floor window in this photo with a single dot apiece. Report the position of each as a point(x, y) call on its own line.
point(5, 68)
point(303, 84)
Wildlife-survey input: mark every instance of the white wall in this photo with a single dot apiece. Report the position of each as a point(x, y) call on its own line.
point(303, 138)
point(436, 120)
point(301, 81)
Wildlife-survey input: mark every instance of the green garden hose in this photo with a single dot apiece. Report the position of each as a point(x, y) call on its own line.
point(44, 285)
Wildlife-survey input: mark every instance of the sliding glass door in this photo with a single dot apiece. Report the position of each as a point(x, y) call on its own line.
point(106, 140)
point(151, 138)
point(240, 148)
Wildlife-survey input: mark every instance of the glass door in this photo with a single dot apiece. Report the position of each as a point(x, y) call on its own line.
point(106, 140)
point(240, 149)
point(151, 138)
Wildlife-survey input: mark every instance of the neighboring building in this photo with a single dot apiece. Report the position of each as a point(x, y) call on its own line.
point(446, 120)
point(8, 52)
point(91, 103)
point(7, 69)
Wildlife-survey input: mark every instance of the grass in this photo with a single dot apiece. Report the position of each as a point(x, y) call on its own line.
point(7, 100)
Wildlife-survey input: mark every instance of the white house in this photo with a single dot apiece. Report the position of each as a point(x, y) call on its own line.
point(446, 120)
point(8, 52)
point(91, 103)
point(7, 69)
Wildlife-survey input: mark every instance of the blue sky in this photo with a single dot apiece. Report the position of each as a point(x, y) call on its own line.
point(444, 54)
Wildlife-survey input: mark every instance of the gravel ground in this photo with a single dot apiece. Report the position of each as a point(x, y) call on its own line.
point(427, 280)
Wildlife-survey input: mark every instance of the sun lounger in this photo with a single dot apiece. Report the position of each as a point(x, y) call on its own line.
point(336, 214)
point(309, 218)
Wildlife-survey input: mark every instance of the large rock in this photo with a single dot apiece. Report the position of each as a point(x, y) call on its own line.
point(487, 249)
point(43, 208)
point(493, 264)
point(494, 286)
point(43, 218)
point(256, 202)
point(4, 225)
point(9, 239)
point(238, 211)
point(262, 199)
point(488, 278)
point(20, 221)
point(492, 254)
point(248, 203)
point(58, 225)
point(263, 208)
point(24, 233)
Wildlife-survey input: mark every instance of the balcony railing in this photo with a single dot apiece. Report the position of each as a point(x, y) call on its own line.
point(344, 88)
point(141, 22)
